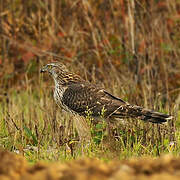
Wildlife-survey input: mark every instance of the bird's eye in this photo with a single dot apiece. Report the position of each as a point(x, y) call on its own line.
point(50, 66)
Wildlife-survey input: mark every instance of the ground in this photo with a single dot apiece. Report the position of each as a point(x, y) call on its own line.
point(15, 167)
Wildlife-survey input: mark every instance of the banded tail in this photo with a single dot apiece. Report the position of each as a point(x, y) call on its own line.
point(141, 113)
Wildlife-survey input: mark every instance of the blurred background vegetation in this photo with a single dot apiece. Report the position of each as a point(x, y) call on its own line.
point(130, 47)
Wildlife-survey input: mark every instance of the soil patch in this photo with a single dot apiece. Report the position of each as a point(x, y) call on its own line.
point(15, 167)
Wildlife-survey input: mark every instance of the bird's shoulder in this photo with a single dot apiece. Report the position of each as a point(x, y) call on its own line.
point(89, 92)
point(84, 88)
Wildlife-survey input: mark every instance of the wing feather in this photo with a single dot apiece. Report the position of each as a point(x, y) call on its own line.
point(83, 97)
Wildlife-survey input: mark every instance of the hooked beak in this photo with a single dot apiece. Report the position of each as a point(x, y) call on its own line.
point(43, 69)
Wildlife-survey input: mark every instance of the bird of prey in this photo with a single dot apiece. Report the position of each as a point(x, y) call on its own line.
point(78, 96)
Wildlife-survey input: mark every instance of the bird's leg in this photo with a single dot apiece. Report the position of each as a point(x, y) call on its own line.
point(83, 130)
point(109, 129)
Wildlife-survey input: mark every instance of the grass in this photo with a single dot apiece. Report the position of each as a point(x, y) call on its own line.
point(32, 125)
point(131, 48)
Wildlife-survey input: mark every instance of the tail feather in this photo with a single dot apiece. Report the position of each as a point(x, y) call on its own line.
point(155, 117)
point(142, 113)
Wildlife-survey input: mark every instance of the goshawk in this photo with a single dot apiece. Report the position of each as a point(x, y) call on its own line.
point(78, 96)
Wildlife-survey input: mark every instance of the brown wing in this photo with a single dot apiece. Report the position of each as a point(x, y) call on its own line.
point(81, 97)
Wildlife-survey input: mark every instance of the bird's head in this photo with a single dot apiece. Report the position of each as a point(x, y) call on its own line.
point(60, 73)
point(54, 69)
